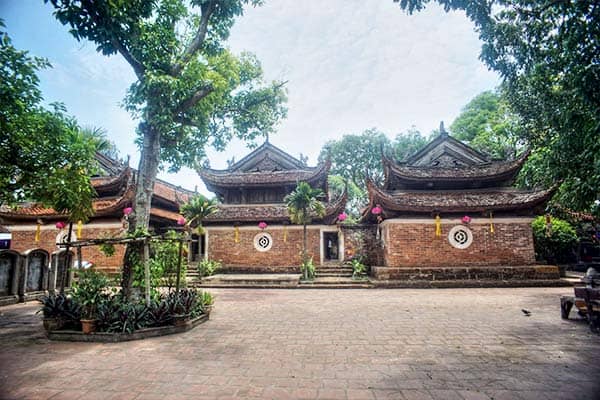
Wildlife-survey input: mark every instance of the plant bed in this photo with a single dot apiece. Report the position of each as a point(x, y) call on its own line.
point(107, 337)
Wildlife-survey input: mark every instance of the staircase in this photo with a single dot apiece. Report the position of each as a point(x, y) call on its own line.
point(334, 275)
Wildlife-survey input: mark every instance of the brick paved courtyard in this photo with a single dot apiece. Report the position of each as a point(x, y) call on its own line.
point(330, 344)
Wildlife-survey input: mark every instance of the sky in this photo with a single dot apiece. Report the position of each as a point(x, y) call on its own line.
point(350, 65)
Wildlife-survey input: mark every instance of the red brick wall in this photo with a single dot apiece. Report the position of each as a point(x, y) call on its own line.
point(222, 247)
point(361, 240)
point(23, 240)
point(415, 244)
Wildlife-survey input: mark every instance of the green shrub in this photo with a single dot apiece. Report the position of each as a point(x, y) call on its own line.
point(555, 243)
point(359, 269)
point(208, 267)
point(308, 269)
point(90, 291)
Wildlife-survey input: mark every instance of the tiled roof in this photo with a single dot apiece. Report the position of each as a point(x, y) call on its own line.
point(171, 193)
point(233, 213)
point(493, 171)
point(495, 199)
point(164, 214)
point(223, 178)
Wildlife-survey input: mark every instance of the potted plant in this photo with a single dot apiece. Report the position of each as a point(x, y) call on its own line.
point(182, 303)
point(89, 292)
point(59, 310)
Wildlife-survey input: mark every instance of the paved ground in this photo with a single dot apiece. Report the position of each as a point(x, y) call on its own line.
point(331, 344)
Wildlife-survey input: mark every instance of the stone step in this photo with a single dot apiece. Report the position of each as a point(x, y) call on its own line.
point(344, 269)
point(251, 280)
point(334, 274)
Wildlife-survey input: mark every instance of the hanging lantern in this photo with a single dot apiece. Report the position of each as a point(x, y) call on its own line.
point(491, 222)
point(285, 233)
point(181, 221)
point(38, 230)
point(60, 225)
point(376, 210)
point(236, 234)
point(438, 226)
point(342, 217)
point(262, 225)
point(466, 219)
point(127, 211)
point(79, 227)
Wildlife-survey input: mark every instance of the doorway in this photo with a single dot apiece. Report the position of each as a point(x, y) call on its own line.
point(331, 245)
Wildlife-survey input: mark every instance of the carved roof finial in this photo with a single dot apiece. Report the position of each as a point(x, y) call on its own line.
point(443, 131)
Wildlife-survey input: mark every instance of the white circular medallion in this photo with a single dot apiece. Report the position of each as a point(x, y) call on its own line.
point(263, 241)
point(460, 237)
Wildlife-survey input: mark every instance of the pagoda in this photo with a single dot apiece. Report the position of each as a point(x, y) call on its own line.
point(251, 229)
point(450, 212)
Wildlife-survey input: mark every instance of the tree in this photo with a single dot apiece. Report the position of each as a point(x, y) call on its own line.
point(190, 91)
point(198, 208)
point(356, 195)
point(408, 143)
point(547, 52)
point(45, 157)
point(302, 204)
point(102, 144)
point(487, 124)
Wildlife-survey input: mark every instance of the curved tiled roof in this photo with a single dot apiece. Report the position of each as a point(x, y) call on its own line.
point(493, 171)
point(494, 199)
point(224, 178)
point(228, 213)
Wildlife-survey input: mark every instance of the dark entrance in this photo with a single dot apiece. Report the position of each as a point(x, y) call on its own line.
point(8, 269)
point(198, 247)
point(331, 244)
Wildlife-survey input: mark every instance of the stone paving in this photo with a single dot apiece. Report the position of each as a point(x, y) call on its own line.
point(328, 344)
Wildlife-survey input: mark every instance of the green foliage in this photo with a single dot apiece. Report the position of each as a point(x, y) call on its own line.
point(118, 316)
point(354, 157)
point(303, 203)
point(554, 243)
point(44, 157)
point(487, 124)
point(359, 270)
point(408, 143)
point(546, 53)
point(60, 306)
point(198, 208)
point(90, 291)
point(308, 269)
point(183, 302)
point(208, 267)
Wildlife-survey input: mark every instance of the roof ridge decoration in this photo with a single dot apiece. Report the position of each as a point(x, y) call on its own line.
point(445, 144)
point(267, 149)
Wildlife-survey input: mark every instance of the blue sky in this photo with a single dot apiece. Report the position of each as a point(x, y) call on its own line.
point(350, 65)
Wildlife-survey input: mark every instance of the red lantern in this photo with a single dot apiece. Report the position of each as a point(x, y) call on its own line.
point(342, 217)
point(262, 224)
point(127, 210)
point(376, 210)
point(466, 219)
point(60, 225)
point(181, 221)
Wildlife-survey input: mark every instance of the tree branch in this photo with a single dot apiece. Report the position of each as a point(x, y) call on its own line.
point(207, 10)
point(194, 99)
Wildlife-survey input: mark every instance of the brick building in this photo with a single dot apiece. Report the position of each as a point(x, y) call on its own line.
point(33, 227)
point(252, 191)
point(449, 212)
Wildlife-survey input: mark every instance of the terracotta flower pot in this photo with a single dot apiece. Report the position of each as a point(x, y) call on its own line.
point(88, 326)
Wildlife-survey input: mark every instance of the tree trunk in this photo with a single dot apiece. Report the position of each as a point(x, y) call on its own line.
point(304, 255)
point(65, 270)
point(146, 176)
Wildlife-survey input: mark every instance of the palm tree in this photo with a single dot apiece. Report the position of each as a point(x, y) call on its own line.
point(302, 205)
point(103, 144)
point(198, 208)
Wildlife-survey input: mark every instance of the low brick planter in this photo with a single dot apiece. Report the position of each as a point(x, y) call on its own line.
point(106, 337)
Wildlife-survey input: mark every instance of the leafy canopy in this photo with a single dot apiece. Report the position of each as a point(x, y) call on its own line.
point(191, 89)
point(45, 156)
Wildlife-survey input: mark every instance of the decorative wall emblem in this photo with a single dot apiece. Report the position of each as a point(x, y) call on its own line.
point(263, 241)
point(460, 237)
